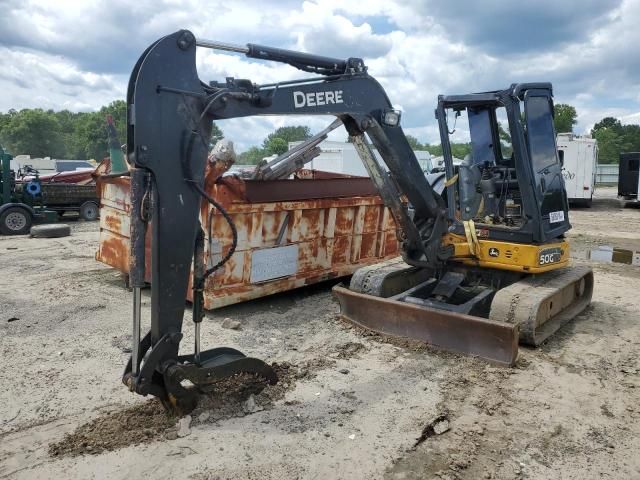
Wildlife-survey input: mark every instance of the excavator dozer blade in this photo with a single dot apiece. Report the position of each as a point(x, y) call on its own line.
point(541, 304)
point(454, 332)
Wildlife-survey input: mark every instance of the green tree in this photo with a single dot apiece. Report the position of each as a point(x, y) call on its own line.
point(251, 156)
point(631, 138)
point(608, 145)
point(5, 118)
point(434, 150)
point(69, 122)
point(276, 146)
point(216, 134)
point(460, 150)
point(288, 134)
point(565, 118)
point(33, 132)
point(505, 141)
point(118, 110)
point(607, 122)
point(90, 135)
point(276, 143)
point(614, 138)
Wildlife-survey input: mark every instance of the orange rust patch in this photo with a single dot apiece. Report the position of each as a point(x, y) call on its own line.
point(310, 225)
point(341, 250)
point(113, 223)
point(344, 221)
point(308, 257)
point(391, 245)
point(114, 251)
point(368, 245)
point(371, 219)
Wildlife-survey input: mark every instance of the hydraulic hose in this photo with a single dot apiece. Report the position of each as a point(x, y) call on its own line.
point(186, 165)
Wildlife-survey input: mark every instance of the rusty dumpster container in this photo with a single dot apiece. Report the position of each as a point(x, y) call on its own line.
point(291, 233)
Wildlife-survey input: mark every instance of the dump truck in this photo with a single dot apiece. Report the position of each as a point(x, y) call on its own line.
point(25, 202)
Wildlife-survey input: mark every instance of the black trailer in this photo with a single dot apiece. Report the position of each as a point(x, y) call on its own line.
point(628, 178)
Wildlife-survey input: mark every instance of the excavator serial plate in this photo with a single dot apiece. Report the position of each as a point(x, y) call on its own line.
point(455, 332)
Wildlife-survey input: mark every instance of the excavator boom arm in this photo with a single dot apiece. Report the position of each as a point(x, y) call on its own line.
point(170, 112)
point(353, 96)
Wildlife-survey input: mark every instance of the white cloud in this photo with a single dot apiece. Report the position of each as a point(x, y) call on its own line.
point(37, 80)
point(77, 54)
point(318, 29)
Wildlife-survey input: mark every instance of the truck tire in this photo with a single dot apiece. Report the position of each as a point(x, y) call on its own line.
point(54, 230)
point(89, 211)
point(15, 221)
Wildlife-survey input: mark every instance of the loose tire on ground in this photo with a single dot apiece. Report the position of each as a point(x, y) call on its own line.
point(50, 231)
point(89, 211)
point(15, 221)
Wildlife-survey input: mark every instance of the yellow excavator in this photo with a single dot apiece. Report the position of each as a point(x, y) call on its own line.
point(484, 259)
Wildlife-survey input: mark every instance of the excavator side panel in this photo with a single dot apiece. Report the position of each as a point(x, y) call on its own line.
point(515, 257)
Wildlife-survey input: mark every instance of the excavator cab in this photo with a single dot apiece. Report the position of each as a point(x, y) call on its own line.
point(508, 213)
point(510, 183)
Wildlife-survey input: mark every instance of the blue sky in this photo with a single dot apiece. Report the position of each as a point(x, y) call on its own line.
point(78, 54)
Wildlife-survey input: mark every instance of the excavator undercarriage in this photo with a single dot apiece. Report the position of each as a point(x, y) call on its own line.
point(484, 260)
point(477, 312)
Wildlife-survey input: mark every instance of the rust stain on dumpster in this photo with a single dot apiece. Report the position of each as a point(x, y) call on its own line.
point(337, 223)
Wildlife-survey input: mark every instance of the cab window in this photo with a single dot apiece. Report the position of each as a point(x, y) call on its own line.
point(540, 133)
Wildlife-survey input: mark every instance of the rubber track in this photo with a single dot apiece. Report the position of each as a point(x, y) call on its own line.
point(386, 278)
point(541, 304)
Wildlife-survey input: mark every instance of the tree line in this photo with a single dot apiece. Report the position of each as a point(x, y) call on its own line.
point(83, 135)
point(62, 134)
point(276, 143)
point(613, 137)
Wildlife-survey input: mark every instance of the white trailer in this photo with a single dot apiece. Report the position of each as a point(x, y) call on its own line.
point(579, 158)
point(341, 157)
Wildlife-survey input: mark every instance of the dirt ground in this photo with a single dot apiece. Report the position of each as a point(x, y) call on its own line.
point(349, 406)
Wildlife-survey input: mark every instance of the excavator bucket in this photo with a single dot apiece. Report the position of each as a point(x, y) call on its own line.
point(528, 311)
